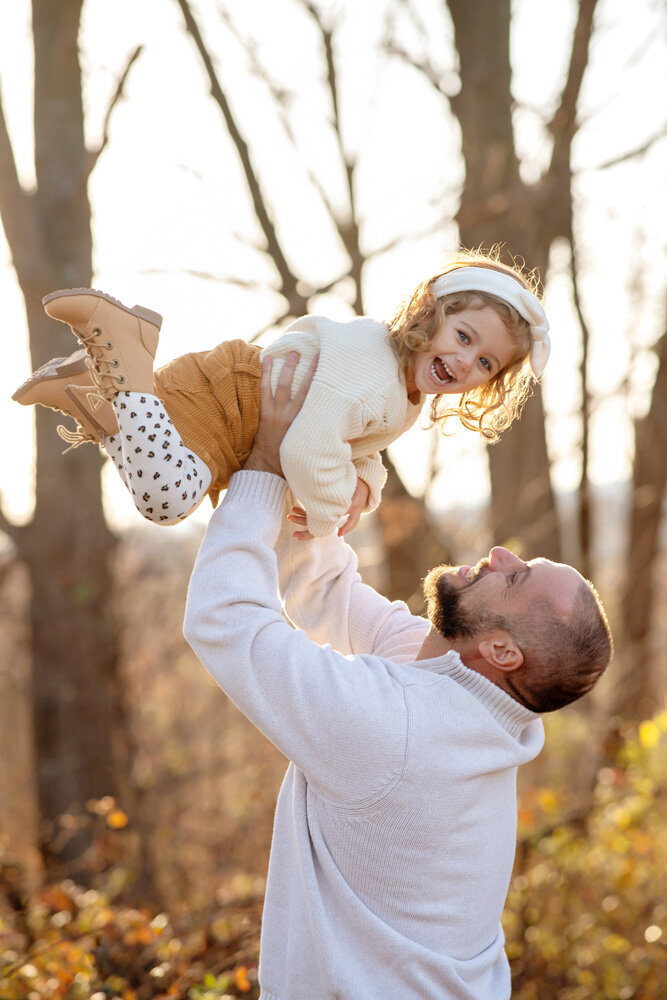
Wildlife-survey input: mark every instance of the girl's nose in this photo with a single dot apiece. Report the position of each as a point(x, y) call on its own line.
point(501, 560)
point(465, 358)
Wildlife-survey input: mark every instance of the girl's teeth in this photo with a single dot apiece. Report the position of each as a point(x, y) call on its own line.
point(449, 376)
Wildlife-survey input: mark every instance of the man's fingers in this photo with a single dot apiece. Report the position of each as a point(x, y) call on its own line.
point(302, 391)
point(282, 398)
point(265, 382)
point(284, 385)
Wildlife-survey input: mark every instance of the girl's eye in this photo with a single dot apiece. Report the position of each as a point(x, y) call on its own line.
point(485, 363)
point(464, 336)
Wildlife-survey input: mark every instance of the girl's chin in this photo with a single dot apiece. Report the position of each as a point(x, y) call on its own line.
point(435, 390)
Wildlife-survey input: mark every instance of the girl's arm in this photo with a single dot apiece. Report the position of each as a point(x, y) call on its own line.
point(372, 471)
point(316, 456)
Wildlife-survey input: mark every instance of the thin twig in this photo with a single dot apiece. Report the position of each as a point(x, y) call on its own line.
point(118, 93)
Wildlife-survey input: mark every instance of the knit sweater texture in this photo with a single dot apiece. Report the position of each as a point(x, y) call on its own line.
point(395, 826)
point(356, 406)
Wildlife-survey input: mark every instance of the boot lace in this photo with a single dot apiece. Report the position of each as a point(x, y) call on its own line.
point(101, 368)
point(75, 438)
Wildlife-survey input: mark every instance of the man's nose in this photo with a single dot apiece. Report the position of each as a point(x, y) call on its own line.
point(502, 560)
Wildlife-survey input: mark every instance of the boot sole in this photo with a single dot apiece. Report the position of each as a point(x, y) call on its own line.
point(141, 312)
point(65, 371)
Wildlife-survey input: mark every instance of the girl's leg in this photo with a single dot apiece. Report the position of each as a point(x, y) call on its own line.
point(166, 479)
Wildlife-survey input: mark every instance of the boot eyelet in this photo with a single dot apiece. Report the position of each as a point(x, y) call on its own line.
point(115, 363)
point(121, 380)
point(96, 331)
point(108, 346)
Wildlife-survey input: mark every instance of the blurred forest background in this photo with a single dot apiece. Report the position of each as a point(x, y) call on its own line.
point(235, 165)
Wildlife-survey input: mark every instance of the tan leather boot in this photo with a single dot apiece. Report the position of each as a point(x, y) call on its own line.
point(121, 342)
point(69, 386)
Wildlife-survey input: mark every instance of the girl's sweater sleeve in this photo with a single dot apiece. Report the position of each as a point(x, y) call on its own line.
point(312, 702)
point(317, 458)
point(372, 471)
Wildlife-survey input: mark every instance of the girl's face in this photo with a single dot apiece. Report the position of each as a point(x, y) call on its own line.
point(470, 348)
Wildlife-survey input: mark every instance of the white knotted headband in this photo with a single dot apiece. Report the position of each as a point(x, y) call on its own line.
point(507, 288)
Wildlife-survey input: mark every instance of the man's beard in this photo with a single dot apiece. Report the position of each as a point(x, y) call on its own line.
point(454, 620)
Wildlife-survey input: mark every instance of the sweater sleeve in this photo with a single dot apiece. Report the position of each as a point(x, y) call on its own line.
point(341, 720)
point(317, 458)
point(324, 595)
point(372, 471)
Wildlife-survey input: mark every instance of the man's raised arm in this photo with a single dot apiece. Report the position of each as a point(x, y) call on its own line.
point(321, 589)
point(324, 595)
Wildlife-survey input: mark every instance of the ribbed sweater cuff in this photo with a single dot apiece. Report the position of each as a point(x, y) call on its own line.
point(259, 489)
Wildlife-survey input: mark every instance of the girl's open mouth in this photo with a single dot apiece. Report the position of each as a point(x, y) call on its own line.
point(441, 372)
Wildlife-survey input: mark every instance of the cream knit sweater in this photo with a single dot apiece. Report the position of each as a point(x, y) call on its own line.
point(395, 827)
point(356, 406)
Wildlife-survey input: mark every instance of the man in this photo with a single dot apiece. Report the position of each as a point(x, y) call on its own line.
point(395, 827)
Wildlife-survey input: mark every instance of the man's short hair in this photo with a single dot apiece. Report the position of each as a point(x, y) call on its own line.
point(564, 656)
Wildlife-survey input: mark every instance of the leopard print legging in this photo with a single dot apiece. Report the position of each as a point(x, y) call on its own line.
point(167, 480)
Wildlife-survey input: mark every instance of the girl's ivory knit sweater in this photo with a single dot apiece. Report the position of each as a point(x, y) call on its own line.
point(395, 827)
point(357, 404)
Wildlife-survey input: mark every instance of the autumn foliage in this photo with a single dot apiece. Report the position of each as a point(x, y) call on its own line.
point(585, 915)
point(176, 875)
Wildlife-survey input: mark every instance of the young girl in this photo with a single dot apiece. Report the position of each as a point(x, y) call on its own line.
point(475, 330)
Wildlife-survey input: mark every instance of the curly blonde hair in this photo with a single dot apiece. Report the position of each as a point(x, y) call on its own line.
point(488, 409)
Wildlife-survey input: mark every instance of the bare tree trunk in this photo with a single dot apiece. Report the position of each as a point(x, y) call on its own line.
point(637, 694)
point(411, 541)
point(496, 208)
point(67, 546)
point(584, 505)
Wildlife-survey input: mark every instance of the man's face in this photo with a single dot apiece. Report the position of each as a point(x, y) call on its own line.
point(502, 587)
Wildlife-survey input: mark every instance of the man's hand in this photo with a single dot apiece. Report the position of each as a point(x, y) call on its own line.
point(359, 500)
point(277, 413)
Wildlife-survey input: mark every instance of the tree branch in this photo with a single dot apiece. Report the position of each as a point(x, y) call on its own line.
point(252, 286)
point(282, 99)
point(584, 496)
point(348, 229)
point(17, 208)
point(288, 279)
point(632, 153)
point(563, 125)
point(118, 93)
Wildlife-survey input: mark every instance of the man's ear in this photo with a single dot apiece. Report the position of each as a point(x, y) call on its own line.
point(500, 650)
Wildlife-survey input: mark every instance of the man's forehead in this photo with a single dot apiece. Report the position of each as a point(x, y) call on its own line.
point(561, 581)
